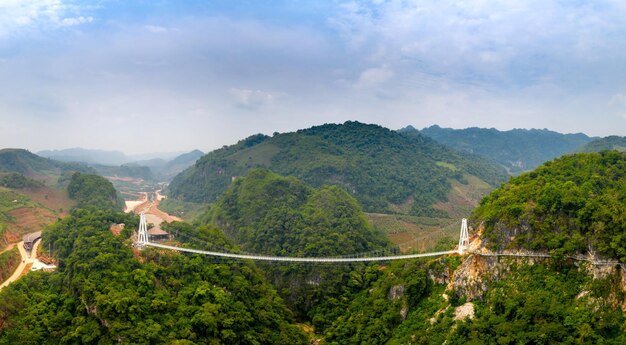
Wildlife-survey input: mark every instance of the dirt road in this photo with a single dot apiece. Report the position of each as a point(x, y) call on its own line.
point(28, 262)
point(18, 272)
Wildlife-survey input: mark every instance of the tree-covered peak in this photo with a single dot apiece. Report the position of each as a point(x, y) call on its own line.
point(575, 203)
point(381, 168)
point(268, 213)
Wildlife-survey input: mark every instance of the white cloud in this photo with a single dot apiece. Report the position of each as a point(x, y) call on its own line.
point(374, 76)
point(253, 99)
point(157, 29)
point(18, 15)
point(513, 42)
point(75, 21)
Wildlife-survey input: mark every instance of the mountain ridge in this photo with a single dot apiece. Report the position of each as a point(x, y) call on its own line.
point(517, 150)
point(378, 166)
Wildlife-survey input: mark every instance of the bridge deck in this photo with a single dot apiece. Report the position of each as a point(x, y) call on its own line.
point(302, 259)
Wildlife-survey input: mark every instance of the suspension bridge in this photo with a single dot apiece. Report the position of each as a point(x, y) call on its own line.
point(143, 240)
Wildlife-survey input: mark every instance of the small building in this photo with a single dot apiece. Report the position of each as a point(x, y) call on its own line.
point(156, 235)
point(30, 239)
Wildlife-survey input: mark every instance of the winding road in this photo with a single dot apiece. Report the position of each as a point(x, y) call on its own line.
point(20, 268)
point(28, 261)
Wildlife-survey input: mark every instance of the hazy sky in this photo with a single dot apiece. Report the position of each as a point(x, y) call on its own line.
point(145, 76)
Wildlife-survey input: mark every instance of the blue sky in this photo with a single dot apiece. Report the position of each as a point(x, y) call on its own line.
point(202, 74)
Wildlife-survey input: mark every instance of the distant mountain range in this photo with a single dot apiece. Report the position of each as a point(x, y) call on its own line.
point(517, 150)
point(104, 157)
point(151, 166)
point(608, 143)
point(384, 170)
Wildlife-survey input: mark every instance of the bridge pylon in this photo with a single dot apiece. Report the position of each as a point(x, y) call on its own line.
point(142, 233)
point(464, 238)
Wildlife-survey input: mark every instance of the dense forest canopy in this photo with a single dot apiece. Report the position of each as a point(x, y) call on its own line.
point(377, 166)
point(517, 150)
point(105, 293)
point(267, 213)
point(572, 204)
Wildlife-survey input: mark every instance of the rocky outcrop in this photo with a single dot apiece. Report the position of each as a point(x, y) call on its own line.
point(464, 311)
point(396, 292)
point(471, 278)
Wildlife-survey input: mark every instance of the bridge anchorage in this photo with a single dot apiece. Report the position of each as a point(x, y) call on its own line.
point(143, 240)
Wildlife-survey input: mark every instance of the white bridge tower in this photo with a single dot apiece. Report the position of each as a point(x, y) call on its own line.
point(142, 233)
point(464, 238)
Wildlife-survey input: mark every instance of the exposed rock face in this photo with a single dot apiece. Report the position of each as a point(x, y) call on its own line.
point(404, 312)
point(464, 311)
point(396, 292)
point(471, 278)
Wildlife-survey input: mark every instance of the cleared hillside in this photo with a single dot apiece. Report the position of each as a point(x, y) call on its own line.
point(384, 170)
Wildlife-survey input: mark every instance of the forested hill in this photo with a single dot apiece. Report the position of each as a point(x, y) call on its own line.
point(267, 213)
point(379, 167)
point(612, 142)
point(94, 191)
point(103, 292)
point(568, 205)
point(517, 150)
point(29, 164)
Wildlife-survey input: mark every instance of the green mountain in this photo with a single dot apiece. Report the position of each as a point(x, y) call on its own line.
point(94, 191)
point(384, 170)
point(517, 150)
point(167, 170)
point(612, 142)
point(155, 170)
point(104, 291)
point(574, 204)
point(87, 156)
point(267, 213)
point(26, 163)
